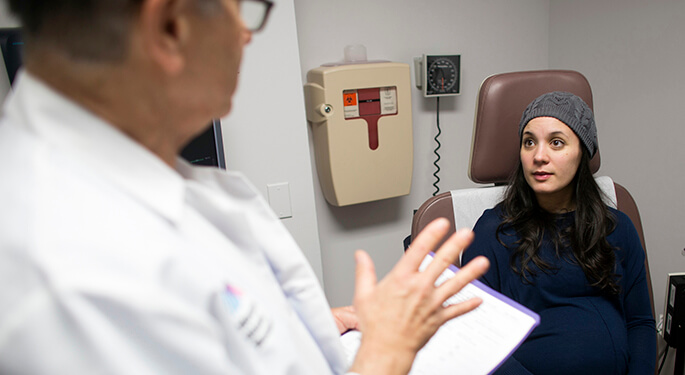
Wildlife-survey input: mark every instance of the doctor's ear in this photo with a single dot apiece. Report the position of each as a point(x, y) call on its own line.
point(163, 27)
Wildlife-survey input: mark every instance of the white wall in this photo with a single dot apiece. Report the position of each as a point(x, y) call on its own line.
point(265, 135)
point(6, 20)
point(492, 37)
point(632, 53)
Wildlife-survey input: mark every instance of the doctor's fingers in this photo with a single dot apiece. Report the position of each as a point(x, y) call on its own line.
point(452, 311)
point(471, 271)
point(365, 279)
point(448, 254)
point(423, 244)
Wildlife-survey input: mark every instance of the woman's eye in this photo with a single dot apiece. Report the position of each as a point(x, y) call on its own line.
point(557, 143)
point(528, 142)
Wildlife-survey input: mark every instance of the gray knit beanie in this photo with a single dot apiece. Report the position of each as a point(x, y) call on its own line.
point(567, 108)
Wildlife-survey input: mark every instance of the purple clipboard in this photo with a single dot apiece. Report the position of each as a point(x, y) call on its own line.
point(480, 285)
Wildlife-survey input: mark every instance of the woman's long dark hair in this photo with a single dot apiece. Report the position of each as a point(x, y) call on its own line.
point(587, 238)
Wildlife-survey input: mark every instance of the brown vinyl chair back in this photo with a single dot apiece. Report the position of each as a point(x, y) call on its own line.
point(502, 98)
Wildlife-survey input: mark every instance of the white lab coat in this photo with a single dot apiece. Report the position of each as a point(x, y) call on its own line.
point(111, 262)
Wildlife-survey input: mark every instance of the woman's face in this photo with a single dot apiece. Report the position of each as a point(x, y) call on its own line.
point(550, 156)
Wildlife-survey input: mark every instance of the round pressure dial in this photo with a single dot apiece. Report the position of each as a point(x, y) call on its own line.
point(442, 75)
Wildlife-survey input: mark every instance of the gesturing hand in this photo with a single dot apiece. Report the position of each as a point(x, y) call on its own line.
point(399, 314)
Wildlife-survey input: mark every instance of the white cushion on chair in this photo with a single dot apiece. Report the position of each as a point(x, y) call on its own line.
point(607, 185)
point(469, 204)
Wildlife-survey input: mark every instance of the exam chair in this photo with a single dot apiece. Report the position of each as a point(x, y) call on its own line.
point(501, 101)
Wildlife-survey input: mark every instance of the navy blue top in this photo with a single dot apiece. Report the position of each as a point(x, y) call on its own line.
point(581, 330)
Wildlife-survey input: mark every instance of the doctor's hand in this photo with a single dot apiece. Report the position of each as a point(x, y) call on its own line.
point(399, 314)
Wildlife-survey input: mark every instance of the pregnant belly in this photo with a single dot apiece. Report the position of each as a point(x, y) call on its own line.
point(589, 339)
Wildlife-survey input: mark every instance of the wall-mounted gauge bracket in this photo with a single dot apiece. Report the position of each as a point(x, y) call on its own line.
point(438, 75)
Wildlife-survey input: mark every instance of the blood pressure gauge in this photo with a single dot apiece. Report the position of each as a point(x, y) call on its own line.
point(438, 75)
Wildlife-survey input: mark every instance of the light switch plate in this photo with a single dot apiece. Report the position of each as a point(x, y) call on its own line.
point(279, 199)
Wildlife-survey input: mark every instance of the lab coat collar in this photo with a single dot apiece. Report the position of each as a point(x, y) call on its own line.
point(72, 130)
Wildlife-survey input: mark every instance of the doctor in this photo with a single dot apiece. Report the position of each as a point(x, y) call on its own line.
point(116, 257)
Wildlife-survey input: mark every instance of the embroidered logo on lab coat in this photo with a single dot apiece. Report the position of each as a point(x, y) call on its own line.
point(238, 310)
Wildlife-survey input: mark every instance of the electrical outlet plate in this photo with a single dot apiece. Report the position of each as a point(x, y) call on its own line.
point(438, 75)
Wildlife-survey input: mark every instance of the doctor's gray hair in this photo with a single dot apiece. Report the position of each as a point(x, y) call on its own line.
point(87, 30)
